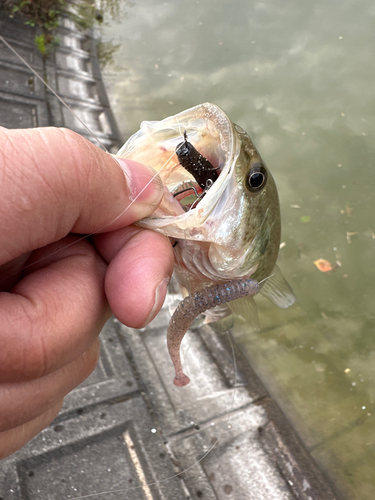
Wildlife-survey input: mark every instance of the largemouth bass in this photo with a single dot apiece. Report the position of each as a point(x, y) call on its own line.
point(220, 209)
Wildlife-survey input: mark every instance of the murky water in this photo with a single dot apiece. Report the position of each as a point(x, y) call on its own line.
point(299, 77)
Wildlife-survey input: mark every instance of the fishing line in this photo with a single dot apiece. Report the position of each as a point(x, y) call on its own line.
point(267, 278)
point(179, 126)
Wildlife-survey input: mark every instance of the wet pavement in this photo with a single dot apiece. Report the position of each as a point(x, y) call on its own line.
point(128, 432)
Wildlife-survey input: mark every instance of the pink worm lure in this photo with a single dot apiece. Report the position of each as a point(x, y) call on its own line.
point(195, 304)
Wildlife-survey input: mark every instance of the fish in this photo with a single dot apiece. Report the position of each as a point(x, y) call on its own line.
point(225, 226)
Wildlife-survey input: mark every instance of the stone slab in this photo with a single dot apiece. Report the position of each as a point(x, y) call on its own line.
point(111, 381)
point(22, 112)
point(112, 451)
point(234, 464)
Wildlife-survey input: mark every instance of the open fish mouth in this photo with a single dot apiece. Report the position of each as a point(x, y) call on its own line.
point(187, 201)
point(218, 193)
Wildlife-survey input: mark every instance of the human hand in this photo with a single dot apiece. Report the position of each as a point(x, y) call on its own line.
point(57, 289)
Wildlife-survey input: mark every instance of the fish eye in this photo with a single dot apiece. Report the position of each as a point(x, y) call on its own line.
point(257, 177)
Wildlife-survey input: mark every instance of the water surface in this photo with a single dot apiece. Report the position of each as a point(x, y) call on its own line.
point(299, 77)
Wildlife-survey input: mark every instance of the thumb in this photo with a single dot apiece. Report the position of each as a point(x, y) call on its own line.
point(53, 181)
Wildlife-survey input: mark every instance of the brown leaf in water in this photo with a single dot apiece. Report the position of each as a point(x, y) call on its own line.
point(323, 265)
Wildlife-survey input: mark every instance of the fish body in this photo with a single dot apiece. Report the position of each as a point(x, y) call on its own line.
point(233, 231)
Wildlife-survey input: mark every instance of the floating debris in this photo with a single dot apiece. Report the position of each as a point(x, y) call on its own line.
point(369, 234)
point(349, 235)
point(323, 265)
point(347, 370)
point(348, 210)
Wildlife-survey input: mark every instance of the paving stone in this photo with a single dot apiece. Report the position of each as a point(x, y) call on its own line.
point(291, 459)
point(21, 112)
point(112, 379)
point(22, 102)
point(234, 463)
point(20, 81)
point(109, 451)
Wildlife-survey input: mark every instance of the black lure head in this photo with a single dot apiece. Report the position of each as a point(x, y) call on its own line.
point(196, 164)
point(185, 150)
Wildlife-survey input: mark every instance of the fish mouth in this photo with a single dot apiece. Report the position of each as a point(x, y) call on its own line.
point(157, 144)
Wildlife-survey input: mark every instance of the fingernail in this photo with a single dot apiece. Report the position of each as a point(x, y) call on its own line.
point(160, 293)
point(145, 185)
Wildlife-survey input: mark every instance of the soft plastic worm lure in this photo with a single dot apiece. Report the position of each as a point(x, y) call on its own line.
point(195, 304)
point(196, 164)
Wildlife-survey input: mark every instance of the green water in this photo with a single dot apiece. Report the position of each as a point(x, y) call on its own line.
point(299, 77)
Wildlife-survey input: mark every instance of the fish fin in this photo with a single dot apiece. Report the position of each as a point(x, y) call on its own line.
point(217, 313)
point(221, 317)
point(277, 290)
point(245, 311)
